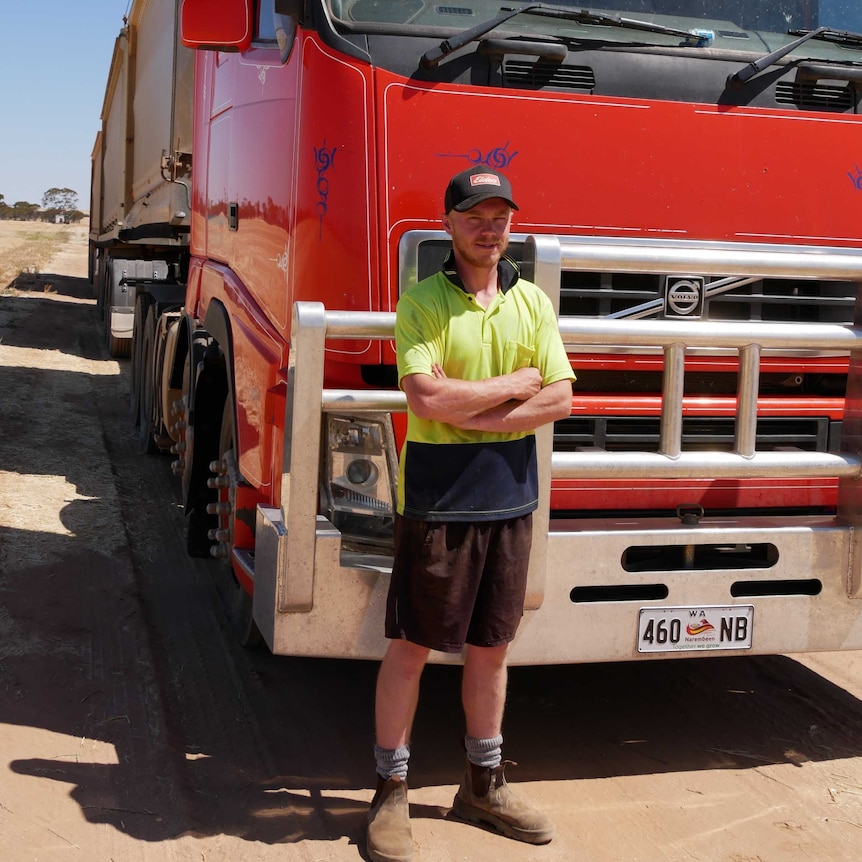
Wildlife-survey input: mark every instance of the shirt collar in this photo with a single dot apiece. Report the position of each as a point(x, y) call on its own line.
point(508, 272)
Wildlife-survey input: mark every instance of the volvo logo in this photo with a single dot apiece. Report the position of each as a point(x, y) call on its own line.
point(683, 296)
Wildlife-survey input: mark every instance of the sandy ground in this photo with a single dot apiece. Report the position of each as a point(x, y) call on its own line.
point(26, 247)
point(133, 728)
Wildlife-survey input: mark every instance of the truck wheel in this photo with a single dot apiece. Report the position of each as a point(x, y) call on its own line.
point(184, 430)
point(182, 467)
point(139, 318)
point(100, 285)
point(238, 602)
point(147, 399)
point(92, 258)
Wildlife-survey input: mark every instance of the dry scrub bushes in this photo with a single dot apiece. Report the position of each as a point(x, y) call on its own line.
point(24, 249)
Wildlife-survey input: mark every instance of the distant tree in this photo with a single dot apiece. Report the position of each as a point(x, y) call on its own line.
point(63, 200)
point(24, 211)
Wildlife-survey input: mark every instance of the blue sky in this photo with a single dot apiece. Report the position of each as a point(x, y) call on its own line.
point(54, 61)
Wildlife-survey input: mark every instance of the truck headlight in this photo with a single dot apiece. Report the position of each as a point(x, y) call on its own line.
point(361, 471)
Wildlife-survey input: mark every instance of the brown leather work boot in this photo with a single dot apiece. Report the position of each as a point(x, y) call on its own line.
point(390, 838)
point(484, 797)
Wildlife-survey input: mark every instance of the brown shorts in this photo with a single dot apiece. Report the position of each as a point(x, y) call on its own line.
point(457, 583)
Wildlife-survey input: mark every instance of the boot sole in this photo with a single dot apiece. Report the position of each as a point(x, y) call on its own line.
point(374, 856)
point(464, 811)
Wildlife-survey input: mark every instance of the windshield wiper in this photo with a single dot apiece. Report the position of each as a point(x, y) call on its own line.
point(433, 56)
point(601, 19)
point(826, 33)
point(840, 37)
point(582, 16)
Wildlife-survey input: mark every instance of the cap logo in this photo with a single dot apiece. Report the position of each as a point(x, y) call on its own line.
point(484, 180)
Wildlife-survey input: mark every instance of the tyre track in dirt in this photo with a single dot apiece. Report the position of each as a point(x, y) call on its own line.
point(83, 709)
point(240, 744)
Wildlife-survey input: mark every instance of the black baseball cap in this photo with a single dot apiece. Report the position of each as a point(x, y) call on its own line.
point(475, 185)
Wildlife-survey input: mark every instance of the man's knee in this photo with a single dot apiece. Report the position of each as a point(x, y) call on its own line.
point(405, 657)
point(486, 657)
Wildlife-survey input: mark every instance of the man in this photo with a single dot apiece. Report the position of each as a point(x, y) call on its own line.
point(482, 364)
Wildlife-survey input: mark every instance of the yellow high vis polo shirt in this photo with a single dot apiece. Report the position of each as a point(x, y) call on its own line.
point(452, 474)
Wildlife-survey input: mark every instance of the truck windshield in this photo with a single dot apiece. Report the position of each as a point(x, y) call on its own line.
point(737, 24)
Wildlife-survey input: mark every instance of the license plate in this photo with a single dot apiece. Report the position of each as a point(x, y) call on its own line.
point(709, 628)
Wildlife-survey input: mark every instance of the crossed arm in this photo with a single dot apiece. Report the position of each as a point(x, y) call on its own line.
point(510, 402)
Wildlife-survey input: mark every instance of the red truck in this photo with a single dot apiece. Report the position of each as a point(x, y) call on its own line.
point(690, 178)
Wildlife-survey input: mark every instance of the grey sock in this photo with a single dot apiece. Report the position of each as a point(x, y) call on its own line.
point(392, 762)
point(487, 753)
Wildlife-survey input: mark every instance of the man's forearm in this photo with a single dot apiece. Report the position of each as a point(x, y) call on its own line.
point(454, 401)
point(550, 404)
point(457, 401)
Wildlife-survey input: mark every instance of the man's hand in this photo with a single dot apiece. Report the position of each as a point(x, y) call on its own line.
point(527, 381)
point(524, 383)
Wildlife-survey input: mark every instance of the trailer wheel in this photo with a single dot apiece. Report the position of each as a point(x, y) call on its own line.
point(100, 284)
point(182, 411)
point(139, 317)
point(147, 398)
point(92, 258)
point(238, 602)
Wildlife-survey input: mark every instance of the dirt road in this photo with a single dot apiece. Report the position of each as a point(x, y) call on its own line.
point(133, 728)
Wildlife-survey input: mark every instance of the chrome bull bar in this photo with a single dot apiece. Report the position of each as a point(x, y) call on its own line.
point(299, 525)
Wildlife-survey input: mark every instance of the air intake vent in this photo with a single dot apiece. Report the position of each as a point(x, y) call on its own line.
point(815, 97)
point(782, 300)
point(453, 10)
point(541, 74)
point(699, 433)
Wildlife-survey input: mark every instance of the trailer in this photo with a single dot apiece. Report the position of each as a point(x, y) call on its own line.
point(140, 201)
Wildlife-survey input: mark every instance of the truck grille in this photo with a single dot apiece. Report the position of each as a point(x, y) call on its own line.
point(634, 295)
point(622, 295)
point(715, 434)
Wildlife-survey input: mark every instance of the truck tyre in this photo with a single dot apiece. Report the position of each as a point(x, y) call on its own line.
point(147, 398)
point(204, 392)
point(182, 411)
point(92, 258)
point(101, 283)
point(139, 317)
point(238, 603)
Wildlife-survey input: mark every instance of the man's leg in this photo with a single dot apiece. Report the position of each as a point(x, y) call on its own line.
point(484, 796)
point(483, 690)
point(398, 692)
point(390, 837)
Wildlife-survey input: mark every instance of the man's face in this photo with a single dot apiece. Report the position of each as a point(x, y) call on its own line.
point(481, 234)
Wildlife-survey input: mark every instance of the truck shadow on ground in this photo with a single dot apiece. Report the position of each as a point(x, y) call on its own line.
point(592, 738)
point(115, 639)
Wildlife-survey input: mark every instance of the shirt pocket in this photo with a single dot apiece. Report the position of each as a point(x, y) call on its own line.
point(517, 355)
